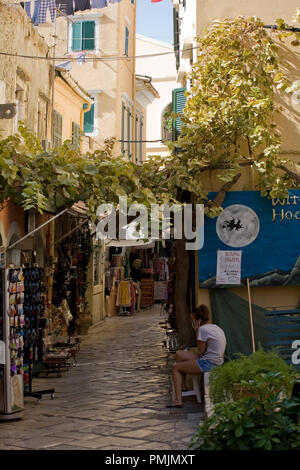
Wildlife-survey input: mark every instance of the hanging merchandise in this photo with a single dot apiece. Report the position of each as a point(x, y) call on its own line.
point(33, 324)
point(160, 290)
point(12, 336)
point(147, 286)
point(44, 5)
point(81, 5)
point(161, 270)
point(123, 295)
point(126, 297)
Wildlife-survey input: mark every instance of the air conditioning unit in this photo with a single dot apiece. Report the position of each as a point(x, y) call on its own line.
point(45, 144)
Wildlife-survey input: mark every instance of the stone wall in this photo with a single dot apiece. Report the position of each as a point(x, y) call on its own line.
point(25, 81)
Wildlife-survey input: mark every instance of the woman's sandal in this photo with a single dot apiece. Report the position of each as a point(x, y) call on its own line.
point(174, 406)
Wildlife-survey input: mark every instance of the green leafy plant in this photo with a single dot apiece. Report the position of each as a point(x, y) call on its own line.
point(249, 424)
point(239, 376)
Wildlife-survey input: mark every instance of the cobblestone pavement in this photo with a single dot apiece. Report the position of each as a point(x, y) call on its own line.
point(114, 399)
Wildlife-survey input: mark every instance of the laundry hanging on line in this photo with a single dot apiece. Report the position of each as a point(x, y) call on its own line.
point(82, 5)
point(44, 5)
point(65, 6)
point(98, 3)
point(36, 9)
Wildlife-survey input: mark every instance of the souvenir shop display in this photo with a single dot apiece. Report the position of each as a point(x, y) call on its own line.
point(70, 277)
point(161, 277)
point(22, 334)
point(160, 290)
point(137, 277)
point(31, 309)
point(118, 286)
point(12, 335)
point(126, 297)
point(2, 346)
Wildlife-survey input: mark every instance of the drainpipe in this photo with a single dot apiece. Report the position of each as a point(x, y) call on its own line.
point(134, 85)
point(85, 108)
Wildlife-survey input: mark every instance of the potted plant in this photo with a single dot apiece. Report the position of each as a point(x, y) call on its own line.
point(249, 424)
point(237, 378)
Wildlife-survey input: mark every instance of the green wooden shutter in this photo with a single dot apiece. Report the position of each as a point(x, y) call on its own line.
point(126, 40)
point(77, 36)
point(176, 37)
point(178, 104)
point(123, 129)
point(89, 120)
point(129, 115)
point(136, 138)
point(141, 138)
point(56, 129)
point(88, 35)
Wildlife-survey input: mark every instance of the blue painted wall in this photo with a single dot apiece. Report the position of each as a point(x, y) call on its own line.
point(277, 246)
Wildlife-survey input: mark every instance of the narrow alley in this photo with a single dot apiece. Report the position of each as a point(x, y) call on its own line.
point(114, 399)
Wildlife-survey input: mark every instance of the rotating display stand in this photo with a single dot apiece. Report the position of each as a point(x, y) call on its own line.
point(33, 311)
point(21, 334)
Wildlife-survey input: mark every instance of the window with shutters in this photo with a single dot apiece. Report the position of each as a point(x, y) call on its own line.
point(167, 123)
point(123, 128)
point(90, 120)
point(126, 50)
point(75, 135)
point(83, 36)
point(129, 133)
point(176, 32)
point(136, 137)
point(141, 139)
point(178, 104)
point(56, 129)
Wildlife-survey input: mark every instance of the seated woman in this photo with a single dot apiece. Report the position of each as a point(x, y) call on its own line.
point(211, 344)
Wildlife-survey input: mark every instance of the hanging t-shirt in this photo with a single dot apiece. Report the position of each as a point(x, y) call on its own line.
point(66, 6)
point(215, 338)
point(81, 5)
point(98, 3)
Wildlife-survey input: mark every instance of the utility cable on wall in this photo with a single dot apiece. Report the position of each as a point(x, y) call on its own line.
point(92, 59)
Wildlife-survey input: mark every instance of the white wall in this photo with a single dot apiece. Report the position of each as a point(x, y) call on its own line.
point(162, 69)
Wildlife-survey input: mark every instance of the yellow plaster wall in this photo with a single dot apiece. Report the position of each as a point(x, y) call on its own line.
point(111, 77)
point(288, 121)
point(69, 105)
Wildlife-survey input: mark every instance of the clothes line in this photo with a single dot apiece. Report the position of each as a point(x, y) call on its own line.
point(37, 9)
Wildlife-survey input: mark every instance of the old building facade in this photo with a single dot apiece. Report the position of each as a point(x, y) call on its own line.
point(191, 19)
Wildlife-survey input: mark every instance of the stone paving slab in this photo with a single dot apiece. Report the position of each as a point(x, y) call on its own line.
point(114, 399)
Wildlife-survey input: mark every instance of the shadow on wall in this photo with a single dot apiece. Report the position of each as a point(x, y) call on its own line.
point(289, 118)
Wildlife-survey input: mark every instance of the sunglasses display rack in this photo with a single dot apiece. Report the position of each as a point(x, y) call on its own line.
point(12, 379)
point(33, 310)
point(22, 315)
point(2, 346)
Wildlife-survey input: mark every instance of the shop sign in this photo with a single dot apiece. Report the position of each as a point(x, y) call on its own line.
point(229, 267)
point(267, 231)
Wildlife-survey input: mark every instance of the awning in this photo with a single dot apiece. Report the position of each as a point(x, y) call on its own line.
point(129, 243)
